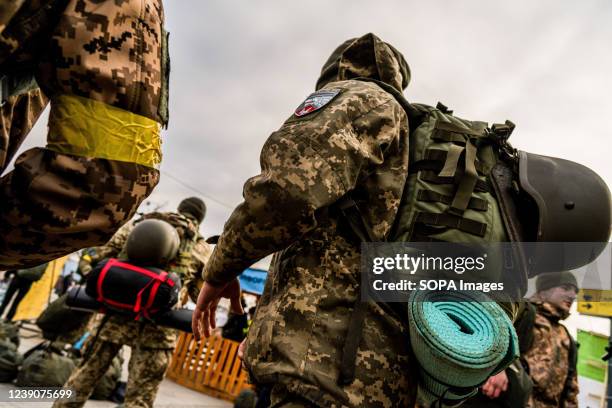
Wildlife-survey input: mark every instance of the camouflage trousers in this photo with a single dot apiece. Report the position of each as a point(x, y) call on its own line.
point(146, 371)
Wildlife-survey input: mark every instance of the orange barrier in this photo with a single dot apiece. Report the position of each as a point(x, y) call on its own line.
point(211, 366)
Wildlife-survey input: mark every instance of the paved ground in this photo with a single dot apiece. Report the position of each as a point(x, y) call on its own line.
point(170, 395)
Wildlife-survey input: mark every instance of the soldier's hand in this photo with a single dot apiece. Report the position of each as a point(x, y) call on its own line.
point(241, 349)
point(203, 320)
point(495, 385)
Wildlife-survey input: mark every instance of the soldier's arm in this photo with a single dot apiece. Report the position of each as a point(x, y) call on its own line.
point(306, 166)
point(201, 252)
point(103, 143)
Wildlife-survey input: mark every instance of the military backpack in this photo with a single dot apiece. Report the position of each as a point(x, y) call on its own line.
point(460, 174)
point(45, 366)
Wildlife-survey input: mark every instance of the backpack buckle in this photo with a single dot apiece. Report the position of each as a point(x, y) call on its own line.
point(444, 109)
point(502, 132)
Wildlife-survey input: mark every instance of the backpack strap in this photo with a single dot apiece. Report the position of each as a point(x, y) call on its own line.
point(452, 221)
point(524, 327)
point(350, 211)
point(435, 160)
point(572, 359)
point(468, 181)
point(351, 344)
point(476, 204)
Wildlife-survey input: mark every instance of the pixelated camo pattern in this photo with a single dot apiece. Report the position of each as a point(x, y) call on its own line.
point(52, 204)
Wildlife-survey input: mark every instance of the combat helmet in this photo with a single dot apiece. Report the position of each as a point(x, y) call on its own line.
point(565, 202)
point(152, 243)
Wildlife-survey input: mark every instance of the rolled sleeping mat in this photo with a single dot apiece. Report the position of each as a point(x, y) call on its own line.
point(179, 319)
point(77, 299)
point(459, 339)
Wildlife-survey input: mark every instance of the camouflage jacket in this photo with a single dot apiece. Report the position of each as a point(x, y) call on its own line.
point(356, 142)
point(189, 263)
point(548, 360)
point(73, 193)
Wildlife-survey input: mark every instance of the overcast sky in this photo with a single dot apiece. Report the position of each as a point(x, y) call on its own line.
point(239, 68)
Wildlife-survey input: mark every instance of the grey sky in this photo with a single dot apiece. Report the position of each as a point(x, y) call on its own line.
point(239, 68)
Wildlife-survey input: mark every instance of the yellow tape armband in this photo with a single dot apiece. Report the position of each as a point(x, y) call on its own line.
point(85, 127)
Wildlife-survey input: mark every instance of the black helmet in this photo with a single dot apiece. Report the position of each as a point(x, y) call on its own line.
point(152, 243)
point(570, 203)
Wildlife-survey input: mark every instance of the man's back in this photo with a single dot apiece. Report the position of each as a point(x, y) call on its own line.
point(349, 135)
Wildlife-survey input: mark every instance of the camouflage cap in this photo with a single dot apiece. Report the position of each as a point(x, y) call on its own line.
point(366, 56)
point(553, 279)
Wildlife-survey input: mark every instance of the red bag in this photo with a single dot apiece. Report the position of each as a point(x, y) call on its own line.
point(131, 289)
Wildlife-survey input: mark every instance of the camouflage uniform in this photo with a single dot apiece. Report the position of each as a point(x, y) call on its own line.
point(151, 345)
point(100, 55)
point(358, 143)
point(548, 360)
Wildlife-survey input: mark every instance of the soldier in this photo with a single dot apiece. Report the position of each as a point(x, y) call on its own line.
point(151, 345)
point(347, 148)
point(552, 355)
point(103, 67)
point(337, 136)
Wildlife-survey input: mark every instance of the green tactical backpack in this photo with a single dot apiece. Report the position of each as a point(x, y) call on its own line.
point(10, 360)
point(451, 194)
point(453, 191)
point(45, 367)
point(448, 194)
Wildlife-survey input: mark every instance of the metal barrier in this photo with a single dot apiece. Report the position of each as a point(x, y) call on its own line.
point(211, 366)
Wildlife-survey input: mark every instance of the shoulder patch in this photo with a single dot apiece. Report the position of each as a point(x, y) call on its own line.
point(316, 101)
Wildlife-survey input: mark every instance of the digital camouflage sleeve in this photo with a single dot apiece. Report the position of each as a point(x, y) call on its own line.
point(103, 66)
point(307, 165)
